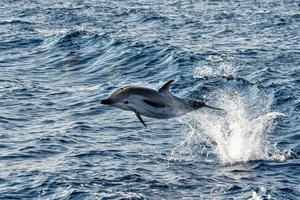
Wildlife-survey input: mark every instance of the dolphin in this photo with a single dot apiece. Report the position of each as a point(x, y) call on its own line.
point(152, 103)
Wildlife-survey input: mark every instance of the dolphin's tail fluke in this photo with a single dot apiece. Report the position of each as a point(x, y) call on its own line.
point(199, 104)
point(213, 107)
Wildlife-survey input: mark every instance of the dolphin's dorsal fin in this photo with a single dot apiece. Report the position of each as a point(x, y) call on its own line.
point(166, 86)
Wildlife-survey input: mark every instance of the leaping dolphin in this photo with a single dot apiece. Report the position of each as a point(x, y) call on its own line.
point(159, 104)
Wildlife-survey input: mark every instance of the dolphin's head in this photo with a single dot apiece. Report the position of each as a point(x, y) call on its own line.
point(118, 98)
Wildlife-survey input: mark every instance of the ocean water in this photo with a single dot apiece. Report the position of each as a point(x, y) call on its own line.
point(58, 58)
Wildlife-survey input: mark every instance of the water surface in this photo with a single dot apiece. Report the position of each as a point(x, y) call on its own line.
point(58, 59)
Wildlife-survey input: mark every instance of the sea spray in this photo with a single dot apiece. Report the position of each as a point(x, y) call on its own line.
point(224, 69)
point(239, 134)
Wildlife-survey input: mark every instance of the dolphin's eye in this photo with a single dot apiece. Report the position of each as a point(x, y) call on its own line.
point(126, 102)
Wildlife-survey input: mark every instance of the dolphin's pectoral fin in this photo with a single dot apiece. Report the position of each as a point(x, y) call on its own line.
point(140, 118)
point(166, 86)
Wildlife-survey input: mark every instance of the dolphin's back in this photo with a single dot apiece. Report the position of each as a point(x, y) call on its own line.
point(146, 93)
point(142, 91)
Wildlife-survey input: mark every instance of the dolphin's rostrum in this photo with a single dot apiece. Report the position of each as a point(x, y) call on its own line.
point(159, 104)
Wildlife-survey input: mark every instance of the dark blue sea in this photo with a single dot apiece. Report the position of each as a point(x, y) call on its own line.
point(59, 58)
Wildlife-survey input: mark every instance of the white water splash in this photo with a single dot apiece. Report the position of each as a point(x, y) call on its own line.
point(238, 134)
point(224, 69)
point(261, 194)
point(256, 196)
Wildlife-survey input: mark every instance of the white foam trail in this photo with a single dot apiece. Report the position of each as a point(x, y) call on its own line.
point(237, 135)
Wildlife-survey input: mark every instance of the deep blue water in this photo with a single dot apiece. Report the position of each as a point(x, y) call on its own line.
point(59, 58)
